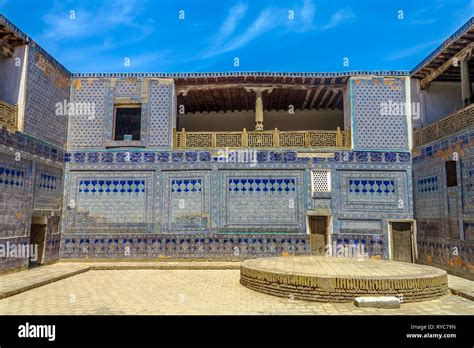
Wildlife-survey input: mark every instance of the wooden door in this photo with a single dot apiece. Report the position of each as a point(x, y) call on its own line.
point(37, 237)
point(318, 237)
point(402, 241)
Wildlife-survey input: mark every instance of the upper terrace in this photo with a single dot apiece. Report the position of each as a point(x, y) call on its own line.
point(260, 109)
point(443, 86)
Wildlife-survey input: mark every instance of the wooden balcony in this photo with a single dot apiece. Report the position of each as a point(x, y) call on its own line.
point(448, 125)
point(321, 139)
point(8, 116)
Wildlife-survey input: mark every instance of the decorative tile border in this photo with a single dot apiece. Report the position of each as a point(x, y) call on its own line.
point(31, 145)
point(263, 156)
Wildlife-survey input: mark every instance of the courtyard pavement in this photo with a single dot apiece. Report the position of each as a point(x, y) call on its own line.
point(178, 290)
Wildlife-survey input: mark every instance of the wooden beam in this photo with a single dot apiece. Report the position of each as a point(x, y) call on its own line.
point(315, 96)
point(253, 85)
point(437, 72)
point(333, 96)
point(325, 96)
point(306, 99)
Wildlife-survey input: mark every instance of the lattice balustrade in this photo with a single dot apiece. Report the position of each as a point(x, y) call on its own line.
point(322, 138)
point(263, 139)
point(450, 124)
point(8, 115)
point(198, 139)
point(229, 139)
point(293, 139)
point(260, 139)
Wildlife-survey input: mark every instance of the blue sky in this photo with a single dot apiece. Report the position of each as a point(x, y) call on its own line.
point(290, 35)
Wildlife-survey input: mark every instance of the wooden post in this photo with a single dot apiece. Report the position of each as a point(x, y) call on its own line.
point(338, 137)
point(213, 139)
point(276, 138)
point(183, 137)
point(245, 142)
point(258, 110)
point(348, 143)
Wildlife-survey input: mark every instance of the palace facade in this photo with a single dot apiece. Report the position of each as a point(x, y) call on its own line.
point(237, 165)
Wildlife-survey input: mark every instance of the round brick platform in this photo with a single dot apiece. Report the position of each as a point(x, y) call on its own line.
point(334, 279)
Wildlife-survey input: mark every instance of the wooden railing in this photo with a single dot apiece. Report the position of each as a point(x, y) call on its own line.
point(265, 139)
point(8, 116)
point(448, 125)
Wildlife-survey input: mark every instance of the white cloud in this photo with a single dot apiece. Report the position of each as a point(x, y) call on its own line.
point(233, 19)
point(340, 17)
point(268, 19)
point(110, 15)
point(399, 54)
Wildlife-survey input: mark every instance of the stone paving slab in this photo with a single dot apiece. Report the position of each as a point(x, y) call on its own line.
point(461, 287)
point(17, 282)
point(200, 292)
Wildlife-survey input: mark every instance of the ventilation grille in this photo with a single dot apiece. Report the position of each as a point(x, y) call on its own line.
point(321, 181)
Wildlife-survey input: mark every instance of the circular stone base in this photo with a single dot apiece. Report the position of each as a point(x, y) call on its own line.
point(339, 279)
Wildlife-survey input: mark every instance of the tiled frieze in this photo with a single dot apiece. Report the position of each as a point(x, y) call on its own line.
point(193, 245)
point(456, 256)
point(374, 191)
point(186, 204)
point(47, 85)
point(48, 188)
point(15, 181)
point(468, 184)
point(105, 200)
point(373, 245)
point(262, 156)
point(262, 200)
point(31, 146)
point(379, 122)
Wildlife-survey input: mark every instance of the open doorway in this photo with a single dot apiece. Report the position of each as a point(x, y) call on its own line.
point(39, 227)
point(402, 241)
point(318, 227)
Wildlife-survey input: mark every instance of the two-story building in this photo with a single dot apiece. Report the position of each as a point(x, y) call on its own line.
point(203, 165)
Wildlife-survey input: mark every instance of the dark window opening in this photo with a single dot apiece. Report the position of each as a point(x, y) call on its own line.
point(127, 123)
point(451, 174)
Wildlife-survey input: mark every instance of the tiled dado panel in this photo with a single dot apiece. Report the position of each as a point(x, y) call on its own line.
point(429, 192)
point(262, 200)
point(193, 245)
point(47, 85)
point(48, 188)
point(377, 122)
point(14, 196)
point(349, 244)
point(110, 201)
point(95, 131)
point(455, 256)
point(186, 203)
point(468, 184)
point(11, 263)
point(374, 191)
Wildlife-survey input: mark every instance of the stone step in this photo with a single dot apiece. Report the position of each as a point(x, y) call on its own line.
point(386, 302)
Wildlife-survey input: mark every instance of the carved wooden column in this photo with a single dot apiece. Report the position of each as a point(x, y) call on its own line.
point(258, 110)
point(259, 104)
